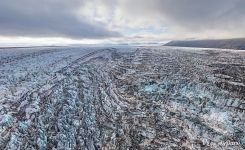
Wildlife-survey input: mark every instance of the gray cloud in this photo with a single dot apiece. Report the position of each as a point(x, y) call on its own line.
point(181, 18)
point(203, 14)
point(214, 17)
point(47, 18)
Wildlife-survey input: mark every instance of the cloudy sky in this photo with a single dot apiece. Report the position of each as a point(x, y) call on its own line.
point(113, 21)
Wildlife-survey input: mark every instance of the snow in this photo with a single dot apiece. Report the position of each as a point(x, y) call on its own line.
point(97, 97)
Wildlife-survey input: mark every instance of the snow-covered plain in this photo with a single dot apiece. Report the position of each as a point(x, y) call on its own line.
point(122, 98)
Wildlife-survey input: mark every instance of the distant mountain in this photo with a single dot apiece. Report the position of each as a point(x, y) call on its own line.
point(224, 44)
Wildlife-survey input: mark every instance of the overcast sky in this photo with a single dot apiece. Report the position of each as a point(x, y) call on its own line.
point(91, 21)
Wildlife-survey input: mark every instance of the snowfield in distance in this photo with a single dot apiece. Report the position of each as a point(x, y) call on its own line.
point(121, 98)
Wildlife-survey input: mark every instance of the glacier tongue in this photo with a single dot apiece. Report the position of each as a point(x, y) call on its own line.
point(122, 98)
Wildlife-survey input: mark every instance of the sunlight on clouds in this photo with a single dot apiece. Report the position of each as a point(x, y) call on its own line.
point(109, 20)
point(95, 12)
point(118, 17)
point(27, 41)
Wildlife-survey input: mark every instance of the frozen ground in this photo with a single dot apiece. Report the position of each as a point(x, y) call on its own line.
point(122, 98)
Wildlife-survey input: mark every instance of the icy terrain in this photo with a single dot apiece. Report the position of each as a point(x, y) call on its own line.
point(121, 98)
